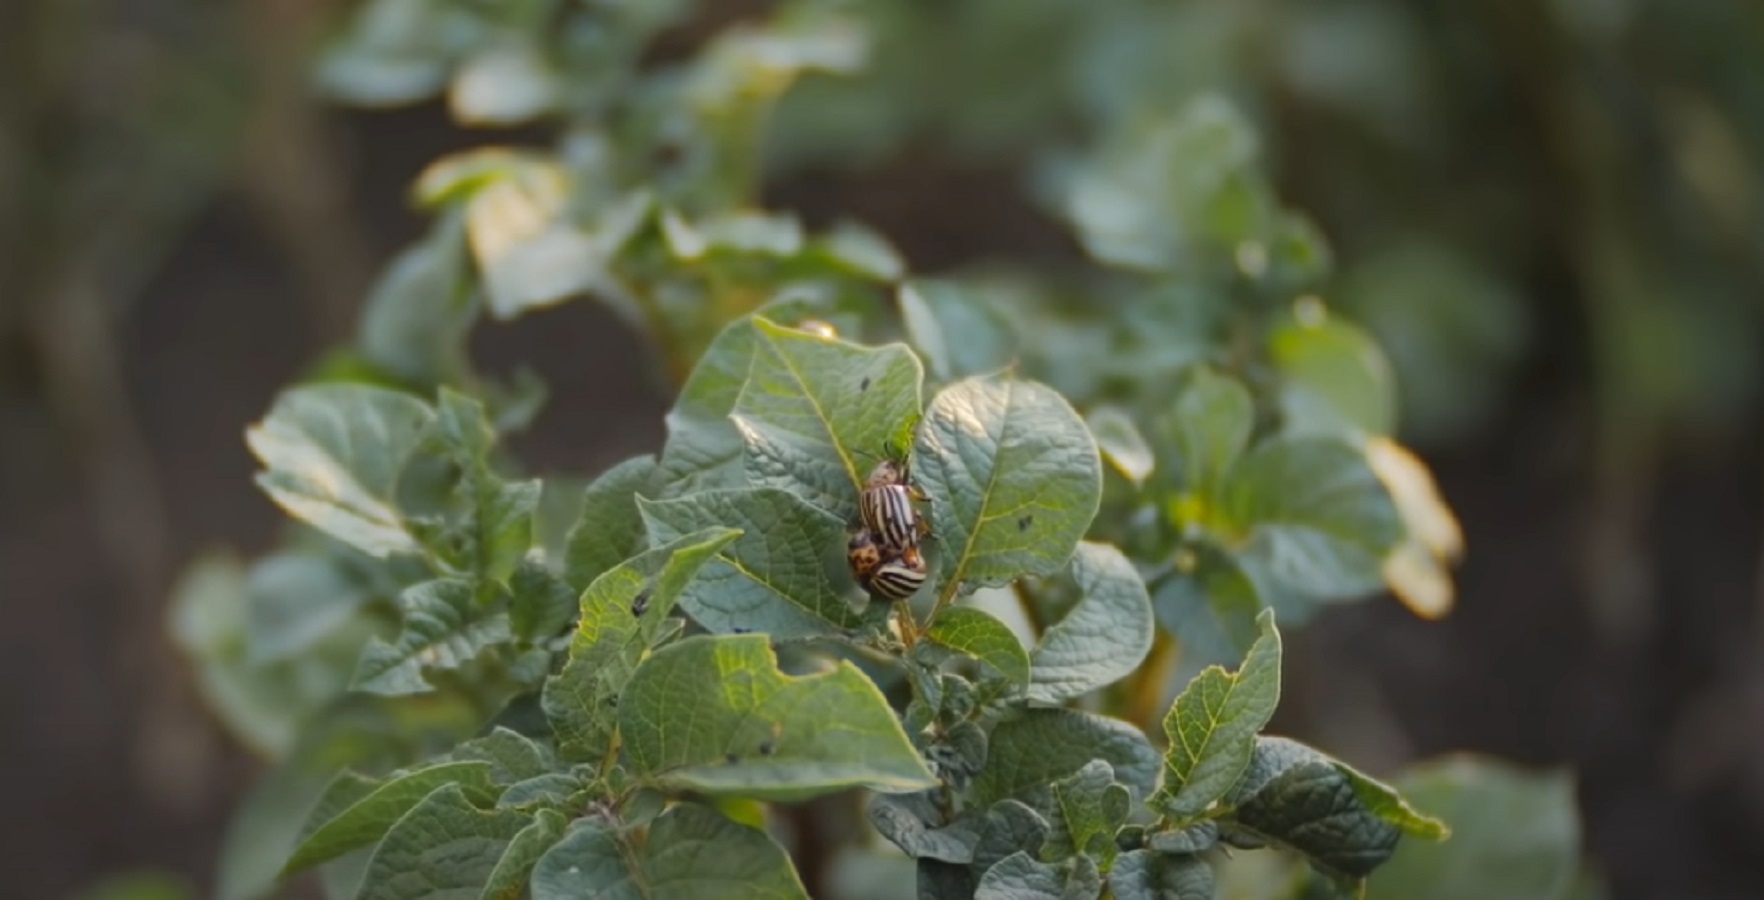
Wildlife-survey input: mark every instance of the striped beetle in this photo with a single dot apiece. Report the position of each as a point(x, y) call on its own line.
point(863, 555)
point(885, 508)
point(900, 577)
point(885, 576)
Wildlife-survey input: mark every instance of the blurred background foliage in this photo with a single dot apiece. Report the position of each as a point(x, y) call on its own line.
point(1546, 212)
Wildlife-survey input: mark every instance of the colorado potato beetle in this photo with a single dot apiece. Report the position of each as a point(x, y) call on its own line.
point(885, 508)
point(863, 555)
point(900, 577)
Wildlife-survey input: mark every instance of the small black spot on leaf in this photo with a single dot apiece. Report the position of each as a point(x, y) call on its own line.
point(766, 748)
point(731, 758)
point(640, 603)
point(739, 630)
point(1024, 523)
point(865, 384)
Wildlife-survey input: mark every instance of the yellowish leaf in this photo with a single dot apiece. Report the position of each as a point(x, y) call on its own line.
point(1418, 569)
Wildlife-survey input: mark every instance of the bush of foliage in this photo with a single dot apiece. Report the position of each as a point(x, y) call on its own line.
point(663, 680)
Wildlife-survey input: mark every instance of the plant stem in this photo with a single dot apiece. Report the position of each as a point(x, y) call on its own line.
point(611, 757)
point(909, 626)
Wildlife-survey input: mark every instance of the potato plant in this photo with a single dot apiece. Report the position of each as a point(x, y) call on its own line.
point(480, 682)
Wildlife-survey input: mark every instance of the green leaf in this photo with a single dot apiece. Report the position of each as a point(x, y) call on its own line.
point(346, 789)
point(366, 820)
point(1008, 827)
point(1014, 476)
point(961, 751)
point(1144, 875)
point(958, 330)
point(356, 733)
point(444, 628)
point(1272, 755)
point(458, 175)
point(775, 576)
point(527, 251)
point(342, 877)
point(264, 705)
point(1383, 801)
point(1104, 638)
point(1121, 443)
point(817, 412)
point(332, 454)
point(1302, 799)
point(1211, 426)
point(1515, 833)
point(938, 880)
point(515, 402)
point(540, 604)
point(464, 429)
point(263, 829)
point(1153, 343)
point(623, 614)
point(1212, 726)
point(207, 623)
point(548, 790)
point(416, 318)
point(1334, 376)
point(690, 853)
point(499, 513)
point(560, 506)
point(1094, 807)
point(511, 755)
point(1196, 838)
point(860, 250)
point(508, 881)
point(294, 600)
point(905, 820)
point(1043, 745)
point(394, 51)
point(1209, 603)
point(1023, 877)
point(1171, 193)
point(610, 529)
point(975, 633)
point(1319, 521)
point(735, 725)
point(590, 861)
point(1299, 256)
point(732, 232)
point(444, 847)
point(703, 450)
point(743, 67)
point(506, 83)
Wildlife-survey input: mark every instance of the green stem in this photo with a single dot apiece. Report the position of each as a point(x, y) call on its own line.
point(909, 627)
point(612, 755)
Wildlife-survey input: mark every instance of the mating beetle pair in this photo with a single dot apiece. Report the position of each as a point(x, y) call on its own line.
point(884, 549)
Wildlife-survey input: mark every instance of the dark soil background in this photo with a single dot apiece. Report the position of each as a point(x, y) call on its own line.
point(107, 764)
